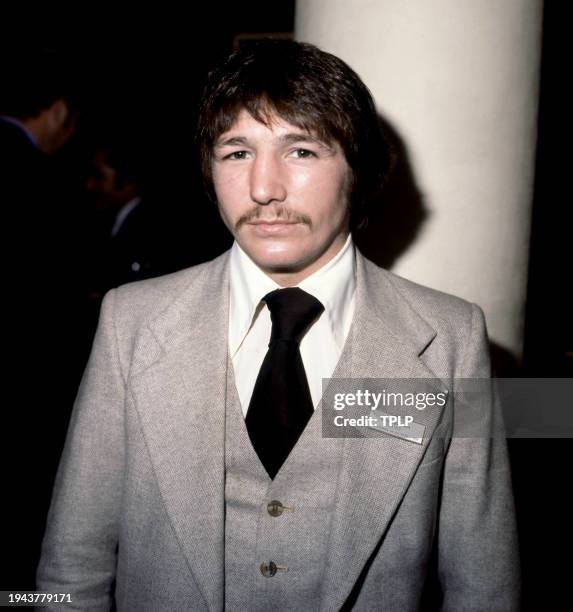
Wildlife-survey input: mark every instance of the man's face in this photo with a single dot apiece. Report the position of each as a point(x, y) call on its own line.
point(283, 194)
point(102, 184)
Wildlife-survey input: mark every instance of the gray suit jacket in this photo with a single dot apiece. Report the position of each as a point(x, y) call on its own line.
point(139, 495)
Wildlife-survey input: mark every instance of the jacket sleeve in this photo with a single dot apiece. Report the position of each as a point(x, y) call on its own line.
point(80, 543)
point(478, 561)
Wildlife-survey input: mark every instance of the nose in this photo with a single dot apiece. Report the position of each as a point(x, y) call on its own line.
point(267, 180)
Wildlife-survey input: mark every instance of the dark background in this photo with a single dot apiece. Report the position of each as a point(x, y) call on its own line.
point(140, 75)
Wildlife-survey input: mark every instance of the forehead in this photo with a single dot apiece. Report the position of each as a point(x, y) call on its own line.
point(268, 126)
point(270, 121)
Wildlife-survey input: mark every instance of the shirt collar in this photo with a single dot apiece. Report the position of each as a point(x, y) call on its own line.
point(333, 284)
point(123, 213)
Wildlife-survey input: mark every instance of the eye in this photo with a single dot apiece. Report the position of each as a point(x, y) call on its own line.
point(237, 155)
point(303, 153)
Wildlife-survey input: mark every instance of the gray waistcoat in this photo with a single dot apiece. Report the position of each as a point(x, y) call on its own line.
point(295, 536)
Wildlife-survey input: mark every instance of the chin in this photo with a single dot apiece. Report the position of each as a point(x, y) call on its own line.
point(279, 265)
point(278, 262)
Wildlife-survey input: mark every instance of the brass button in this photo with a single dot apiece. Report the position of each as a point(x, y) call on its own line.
point(268, 569)
point(275, 508)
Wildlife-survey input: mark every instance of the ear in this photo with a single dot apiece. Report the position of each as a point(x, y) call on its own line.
point(58, 113)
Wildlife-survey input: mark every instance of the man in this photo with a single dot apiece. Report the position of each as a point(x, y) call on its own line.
point(38, 112)
point(124, 231)
point(194, 476)
point(133, 237)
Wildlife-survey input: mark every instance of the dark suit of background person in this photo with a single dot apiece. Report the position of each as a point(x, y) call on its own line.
point(135, 231)
point(38, 118)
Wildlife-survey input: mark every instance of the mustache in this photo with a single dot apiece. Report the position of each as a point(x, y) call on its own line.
point(280, 214)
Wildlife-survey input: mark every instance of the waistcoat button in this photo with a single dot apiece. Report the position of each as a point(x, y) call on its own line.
point(275, 508)
point(268, 569)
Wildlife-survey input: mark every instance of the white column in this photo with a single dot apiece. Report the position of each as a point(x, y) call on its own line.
point(458, 81)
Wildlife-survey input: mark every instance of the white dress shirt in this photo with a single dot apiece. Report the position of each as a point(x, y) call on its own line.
point(334, 285)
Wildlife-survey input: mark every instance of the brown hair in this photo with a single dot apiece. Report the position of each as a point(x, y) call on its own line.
point(309, 88)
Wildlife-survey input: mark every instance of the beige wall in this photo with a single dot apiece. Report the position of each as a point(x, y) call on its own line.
point(458, 81)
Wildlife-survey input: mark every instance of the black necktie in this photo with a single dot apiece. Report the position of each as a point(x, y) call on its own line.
point(281, 404)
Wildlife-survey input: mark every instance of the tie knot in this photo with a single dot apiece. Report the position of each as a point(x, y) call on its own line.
point(292, 311)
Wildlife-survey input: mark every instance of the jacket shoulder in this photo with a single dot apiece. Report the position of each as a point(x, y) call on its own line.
point(450, 316)
point(430, 302)
point(459, 325)
point(426, 300)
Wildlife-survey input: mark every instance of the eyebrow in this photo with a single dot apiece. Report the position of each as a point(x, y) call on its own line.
point(289, 138)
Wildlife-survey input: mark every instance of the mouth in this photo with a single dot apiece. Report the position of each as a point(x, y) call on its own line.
point(272, 226)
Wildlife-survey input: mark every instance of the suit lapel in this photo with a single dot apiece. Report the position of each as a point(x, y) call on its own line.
point(180, 397)
point(179, 388)
point(385, 341)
